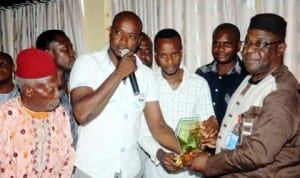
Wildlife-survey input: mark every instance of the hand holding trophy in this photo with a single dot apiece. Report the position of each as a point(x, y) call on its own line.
point(209, 132)
point(189, 137)
point(194, 136)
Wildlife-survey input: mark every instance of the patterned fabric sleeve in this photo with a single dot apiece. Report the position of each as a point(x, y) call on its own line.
point(5, 167)
point(68, 165)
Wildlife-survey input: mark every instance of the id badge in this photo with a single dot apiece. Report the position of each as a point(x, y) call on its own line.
point(231, 141)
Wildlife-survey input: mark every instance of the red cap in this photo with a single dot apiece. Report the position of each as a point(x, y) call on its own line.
point(34, 63)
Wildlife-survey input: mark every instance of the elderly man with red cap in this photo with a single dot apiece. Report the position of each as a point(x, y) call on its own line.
point(260, 132)
point(35, 134)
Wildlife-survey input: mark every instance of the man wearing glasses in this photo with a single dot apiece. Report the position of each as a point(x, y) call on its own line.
point(259, 135)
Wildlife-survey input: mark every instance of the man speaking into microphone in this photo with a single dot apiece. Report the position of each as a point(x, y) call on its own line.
point(107, 109)
point(135, 87)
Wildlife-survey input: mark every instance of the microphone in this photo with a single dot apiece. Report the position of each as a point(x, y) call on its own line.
point(134, 84)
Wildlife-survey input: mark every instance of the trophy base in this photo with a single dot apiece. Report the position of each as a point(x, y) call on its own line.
point(184, 159)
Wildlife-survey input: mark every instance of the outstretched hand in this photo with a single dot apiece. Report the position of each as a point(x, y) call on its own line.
point(209, 132)
point(168, 160)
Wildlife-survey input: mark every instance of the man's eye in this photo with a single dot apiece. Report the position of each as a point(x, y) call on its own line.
point(176, 54)
point(148, 52)
point(227, 44)
point(117, 32)
point(259, 44)
point(162, 56)
point(5, 65)
point(215, 44)
point(132, 37)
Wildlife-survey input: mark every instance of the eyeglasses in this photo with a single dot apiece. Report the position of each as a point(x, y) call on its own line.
point(259, 44)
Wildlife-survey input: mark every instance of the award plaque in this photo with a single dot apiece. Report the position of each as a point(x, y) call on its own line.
point(189, 137)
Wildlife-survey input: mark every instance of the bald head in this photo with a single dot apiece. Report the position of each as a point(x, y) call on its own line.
point(127, 15)
point(146, 38)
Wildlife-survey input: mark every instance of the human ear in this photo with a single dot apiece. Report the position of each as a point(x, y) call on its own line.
point(14, 72)
point(50, 53)
point(239, 46)
point(281, 49)
point(140, 40)
point(109, 30)
point(27, 90)
point(156, 59)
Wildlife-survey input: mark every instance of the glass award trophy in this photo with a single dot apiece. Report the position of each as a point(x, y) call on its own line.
point(189, 137)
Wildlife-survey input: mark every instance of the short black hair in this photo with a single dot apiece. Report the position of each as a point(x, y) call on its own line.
point(167, 33)
point(228, 26)
point(127, 14)
point(45, 38)
point(8, 57)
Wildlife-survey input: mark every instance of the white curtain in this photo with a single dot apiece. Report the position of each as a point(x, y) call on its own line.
point(196, 19)
point(20, 25)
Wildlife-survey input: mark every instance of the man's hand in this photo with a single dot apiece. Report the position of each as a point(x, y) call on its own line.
point(198, 163)
point(127, 64)
point(209, 132)
point(168, 160)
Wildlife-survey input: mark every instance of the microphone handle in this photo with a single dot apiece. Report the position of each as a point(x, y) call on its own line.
point(134, 85)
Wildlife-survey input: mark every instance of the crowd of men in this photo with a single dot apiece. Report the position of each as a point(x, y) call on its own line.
point(63, 115)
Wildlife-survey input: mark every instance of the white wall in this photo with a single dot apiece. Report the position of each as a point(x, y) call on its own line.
point(97, 21)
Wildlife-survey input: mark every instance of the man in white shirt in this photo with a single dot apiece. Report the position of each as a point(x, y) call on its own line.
point(183, 94)
point(108, 111)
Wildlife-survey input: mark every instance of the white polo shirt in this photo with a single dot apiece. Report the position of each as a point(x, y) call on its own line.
point(108, 144)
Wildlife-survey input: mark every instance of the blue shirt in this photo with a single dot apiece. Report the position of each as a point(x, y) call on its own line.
point(65, 102)
point(6, 96)
point(222, 86)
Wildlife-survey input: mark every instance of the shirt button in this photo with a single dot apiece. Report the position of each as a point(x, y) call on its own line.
point(214, 103)
point(220, 77)
point(216, 90)
point(122, 150)
point(125, 116)
point(230, 115)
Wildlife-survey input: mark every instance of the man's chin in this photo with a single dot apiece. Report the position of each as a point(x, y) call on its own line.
point(225, 61)
point(170, 73)
point(53, 106)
